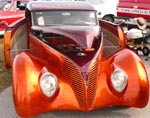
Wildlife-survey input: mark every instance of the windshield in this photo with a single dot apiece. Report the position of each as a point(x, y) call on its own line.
point(77, 18)
point(4, 5)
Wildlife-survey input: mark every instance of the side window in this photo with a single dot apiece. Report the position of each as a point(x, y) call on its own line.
point(111, 42)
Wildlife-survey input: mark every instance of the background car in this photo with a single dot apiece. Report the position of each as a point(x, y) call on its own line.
point(128, 9)
point(107, 9)
point(64, 58)
point(11, 11)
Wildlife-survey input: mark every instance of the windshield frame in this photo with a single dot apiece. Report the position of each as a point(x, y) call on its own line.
point(64, 13)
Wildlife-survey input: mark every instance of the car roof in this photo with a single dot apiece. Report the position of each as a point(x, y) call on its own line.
point(50, 5)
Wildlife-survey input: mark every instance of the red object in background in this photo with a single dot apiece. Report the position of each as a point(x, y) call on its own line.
point(133, 9)
point(11, 11)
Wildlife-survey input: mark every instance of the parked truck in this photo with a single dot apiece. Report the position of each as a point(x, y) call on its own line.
point(133, 8)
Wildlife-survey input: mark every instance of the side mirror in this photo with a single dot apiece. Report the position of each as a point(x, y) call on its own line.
point(4, 23)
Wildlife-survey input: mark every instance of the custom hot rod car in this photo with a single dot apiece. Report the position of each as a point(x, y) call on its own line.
point(63, 58)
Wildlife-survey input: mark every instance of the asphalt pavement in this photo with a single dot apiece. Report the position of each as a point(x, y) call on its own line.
point(7, 108)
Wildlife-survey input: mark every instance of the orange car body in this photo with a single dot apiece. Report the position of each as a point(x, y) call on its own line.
point(84, 77)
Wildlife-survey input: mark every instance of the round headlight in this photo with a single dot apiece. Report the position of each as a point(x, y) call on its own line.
point(119, 80)
point(48, 84)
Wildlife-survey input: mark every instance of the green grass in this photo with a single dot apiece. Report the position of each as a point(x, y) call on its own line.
point(5, 74)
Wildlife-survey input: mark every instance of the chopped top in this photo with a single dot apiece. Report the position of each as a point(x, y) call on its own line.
point(49, 5)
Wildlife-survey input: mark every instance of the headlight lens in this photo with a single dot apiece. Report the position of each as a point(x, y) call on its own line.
point(48, 84)
point(119, 80)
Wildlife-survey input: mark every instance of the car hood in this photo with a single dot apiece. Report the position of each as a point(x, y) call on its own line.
point(82, 35)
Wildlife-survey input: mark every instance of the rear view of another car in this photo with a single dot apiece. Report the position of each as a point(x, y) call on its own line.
point(11, 11)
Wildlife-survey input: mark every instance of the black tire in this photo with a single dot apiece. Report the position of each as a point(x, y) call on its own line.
point(108, 18)
point(146, 51)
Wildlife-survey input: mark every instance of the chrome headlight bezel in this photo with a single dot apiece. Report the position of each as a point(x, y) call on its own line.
point(119, 80)
point(48, 84)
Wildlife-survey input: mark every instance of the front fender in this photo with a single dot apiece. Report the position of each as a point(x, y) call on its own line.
point(136, 93)
point(25, 78)
point(137, 76)
point(27, 95)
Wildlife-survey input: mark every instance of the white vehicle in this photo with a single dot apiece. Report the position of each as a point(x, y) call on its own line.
point(107, 9)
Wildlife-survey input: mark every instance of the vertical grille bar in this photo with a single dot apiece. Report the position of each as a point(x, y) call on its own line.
point(92, 83)
point(85, 95)
point(77, 82)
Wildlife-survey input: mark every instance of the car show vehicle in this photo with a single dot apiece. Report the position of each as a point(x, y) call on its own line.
point(64, 58)
point(11, 11)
